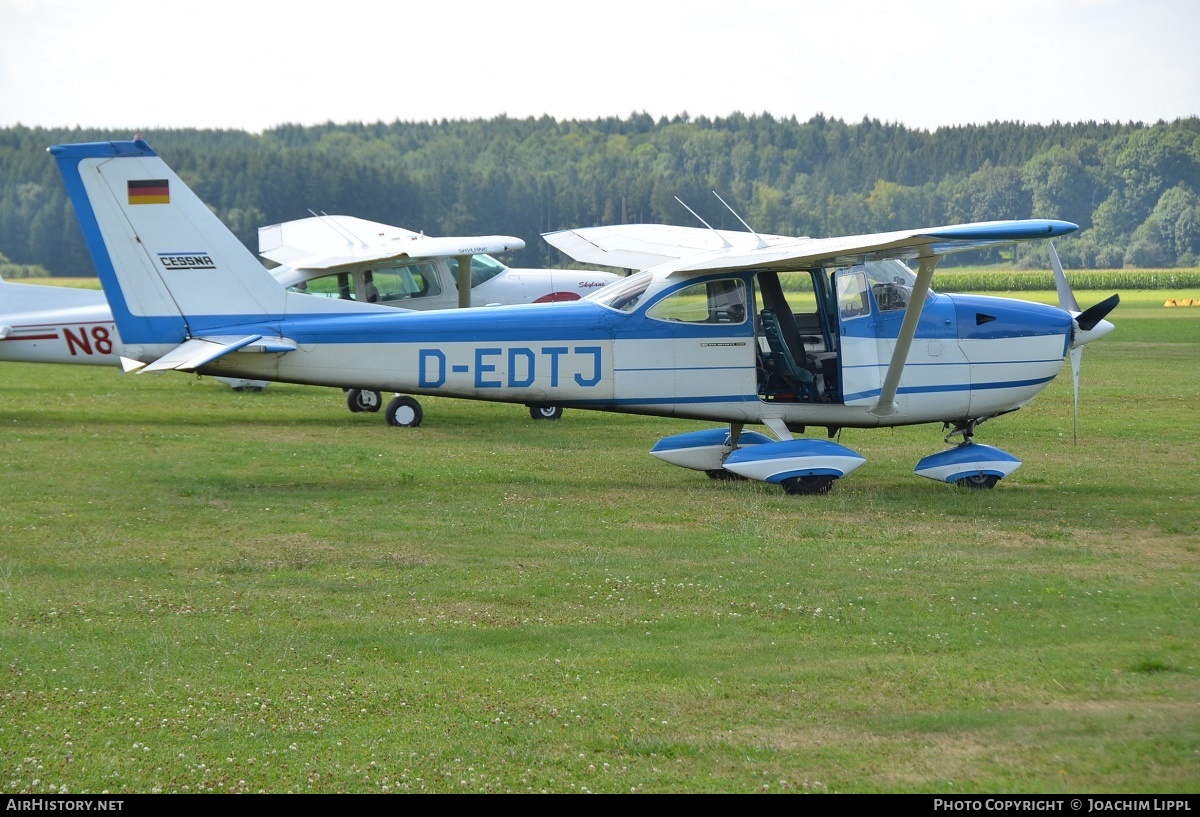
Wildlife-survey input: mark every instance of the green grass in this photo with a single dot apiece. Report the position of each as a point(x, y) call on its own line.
point(208, 590)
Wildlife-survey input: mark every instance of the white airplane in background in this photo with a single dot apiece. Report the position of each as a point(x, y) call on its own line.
point(347, 258)
point(706, 333)
point(337, 257)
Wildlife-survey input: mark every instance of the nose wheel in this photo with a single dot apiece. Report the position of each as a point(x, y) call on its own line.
point(969, 464)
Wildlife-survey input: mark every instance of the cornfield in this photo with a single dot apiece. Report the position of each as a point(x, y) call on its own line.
point(985, 280)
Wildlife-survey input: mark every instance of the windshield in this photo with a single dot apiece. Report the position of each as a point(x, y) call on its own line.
point(623, 295)
point(891, 282)
point(890, 271)
point(483, 268)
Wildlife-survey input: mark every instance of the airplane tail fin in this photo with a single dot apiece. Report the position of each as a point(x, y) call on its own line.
point(170, 268)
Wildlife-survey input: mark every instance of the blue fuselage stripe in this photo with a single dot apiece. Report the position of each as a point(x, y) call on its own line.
point(954, 387)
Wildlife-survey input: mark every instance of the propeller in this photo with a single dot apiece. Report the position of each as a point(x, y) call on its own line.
point(1089, 326)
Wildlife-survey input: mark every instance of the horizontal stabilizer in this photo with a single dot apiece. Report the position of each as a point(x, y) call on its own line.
point(196, 352)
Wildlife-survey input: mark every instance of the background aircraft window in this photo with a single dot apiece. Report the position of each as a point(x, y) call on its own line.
point(709, 302)
point(406, 282)
point(337, 285)
point(483, 268)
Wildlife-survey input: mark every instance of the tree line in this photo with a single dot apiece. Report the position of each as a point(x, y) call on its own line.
point(1133, 188)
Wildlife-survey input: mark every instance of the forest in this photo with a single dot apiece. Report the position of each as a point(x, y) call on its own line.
point(1133, 188)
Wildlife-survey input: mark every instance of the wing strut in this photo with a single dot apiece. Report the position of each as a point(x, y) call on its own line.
point(908, 330)
point(464, 281)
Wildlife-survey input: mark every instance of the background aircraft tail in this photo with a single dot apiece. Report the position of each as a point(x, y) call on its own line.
point(170, 268)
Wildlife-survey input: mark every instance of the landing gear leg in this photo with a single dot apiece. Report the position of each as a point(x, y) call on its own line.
point(963, 428)
point(720, 474)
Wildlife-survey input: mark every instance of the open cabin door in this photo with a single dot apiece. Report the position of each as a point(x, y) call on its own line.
point(796, 340)
point(871, 303)
point(863, 352)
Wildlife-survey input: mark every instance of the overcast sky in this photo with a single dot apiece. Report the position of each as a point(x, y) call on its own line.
point(254, 64)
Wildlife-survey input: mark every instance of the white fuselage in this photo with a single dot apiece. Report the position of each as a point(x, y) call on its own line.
point(588, 355)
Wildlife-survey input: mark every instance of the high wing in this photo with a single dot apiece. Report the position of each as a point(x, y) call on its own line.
point(641, 246)
point(325, 242)
point(693, 249)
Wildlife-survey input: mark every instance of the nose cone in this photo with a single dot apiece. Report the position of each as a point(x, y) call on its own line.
point(1085, 336)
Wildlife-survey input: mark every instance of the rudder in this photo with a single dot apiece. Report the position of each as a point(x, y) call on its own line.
point(170, 268)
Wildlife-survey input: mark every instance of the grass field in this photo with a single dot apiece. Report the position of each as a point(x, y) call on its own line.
point(203, 590)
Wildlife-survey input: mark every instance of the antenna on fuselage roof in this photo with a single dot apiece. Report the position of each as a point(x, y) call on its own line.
point(724, 241)
point(761, 242)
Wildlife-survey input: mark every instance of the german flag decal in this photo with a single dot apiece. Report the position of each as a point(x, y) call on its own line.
point(152, 191)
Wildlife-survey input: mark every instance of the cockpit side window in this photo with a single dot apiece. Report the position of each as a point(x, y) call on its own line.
point(722, 301)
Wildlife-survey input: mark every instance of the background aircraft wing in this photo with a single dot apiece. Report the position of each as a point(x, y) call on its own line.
point(324, 236)
point(38, 297)
point(326, 242)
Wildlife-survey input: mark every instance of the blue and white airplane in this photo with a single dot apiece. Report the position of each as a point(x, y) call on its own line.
point(707, 331)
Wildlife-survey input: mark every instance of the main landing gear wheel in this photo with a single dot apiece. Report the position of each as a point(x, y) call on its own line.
point(404, 411)
point(808, 485)
point(364, 400)
point(545, 412)
point(721, 475)
point(978, 482)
